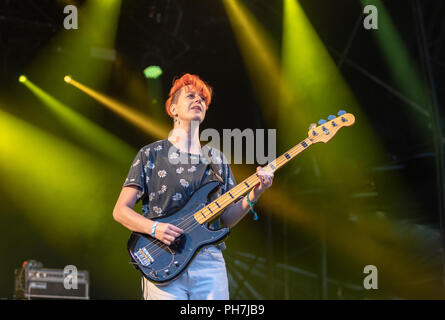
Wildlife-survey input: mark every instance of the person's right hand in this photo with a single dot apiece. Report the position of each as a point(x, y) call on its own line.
point(167, 233)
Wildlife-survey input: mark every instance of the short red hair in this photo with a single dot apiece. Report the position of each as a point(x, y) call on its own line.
point(188, 80)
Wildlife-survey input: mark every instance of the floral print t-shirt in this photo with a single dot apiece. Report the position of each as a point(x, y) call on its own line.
point(166, 177)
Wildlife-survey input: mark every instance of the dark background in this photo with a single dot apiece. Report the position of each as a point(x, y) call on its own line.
point(195, 36)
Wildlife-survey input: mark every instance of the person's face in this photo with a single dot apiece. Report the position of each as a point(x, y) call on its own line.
point(190, 106)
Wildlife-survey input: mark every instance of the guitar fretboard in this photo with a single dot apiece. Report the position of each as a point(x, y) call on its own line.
point(215, 208)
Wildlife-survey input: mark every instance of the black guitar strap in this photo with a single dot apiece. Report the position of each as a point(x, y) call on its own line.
point(213, 167)
point(215, 193)
point(214, 171)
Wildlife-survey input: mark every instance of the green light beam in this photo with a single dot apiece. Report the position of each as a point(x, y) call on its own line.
point(89, 133)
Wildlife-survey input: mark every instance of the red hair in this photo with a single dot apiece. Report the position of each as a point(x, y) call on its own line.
point(188, 80)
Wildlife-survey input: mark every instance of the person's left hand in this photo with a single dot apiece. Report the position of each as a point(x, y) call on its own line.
point(266, 179)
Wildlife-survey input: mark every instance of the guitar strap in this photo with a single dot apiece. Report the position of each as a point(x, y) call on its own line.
point(214, 171)
point(215, 193)
point(213, 167)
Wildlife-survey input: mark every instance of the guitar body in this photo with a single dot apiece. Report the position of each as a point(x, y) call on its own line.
point(160, 263)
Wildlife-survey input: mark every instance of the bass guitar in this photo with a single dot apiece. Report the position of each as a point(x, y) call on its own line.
point(161, 263)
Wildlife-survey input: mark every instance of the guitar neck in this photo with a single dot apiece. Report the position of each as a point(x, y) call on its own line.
point(215, 208)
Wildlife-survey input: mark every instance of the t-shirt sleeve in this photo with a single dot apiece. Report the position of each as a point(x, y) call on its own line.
point(137, 175)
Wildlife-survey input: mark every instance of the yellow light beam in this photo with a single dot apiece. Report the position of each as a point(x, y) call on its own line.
point(87, 52)
point(61, 188)
point(156, 130)
point(261, 56)
point(89, 133)
point(65, 194)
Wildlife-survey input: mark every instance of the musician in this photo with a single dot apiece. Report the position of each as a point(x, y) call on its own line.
point(163, 184)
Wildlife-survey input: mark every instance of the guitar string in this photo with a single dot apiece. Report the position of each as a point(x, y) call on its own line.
point(195, 222)
point(254, 176)
point(192, 219)
point(278, 162)
point(192, 222)
point(186, 228)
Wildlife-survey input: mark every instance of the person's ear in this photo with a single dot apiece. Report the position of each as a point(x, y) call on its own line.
point(173, 110)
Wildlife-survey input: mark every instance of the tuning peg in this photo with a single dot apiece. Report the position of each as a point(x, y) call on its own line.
point(341, 112)
point(331, 117)
point(312, 126)
point(321, 121)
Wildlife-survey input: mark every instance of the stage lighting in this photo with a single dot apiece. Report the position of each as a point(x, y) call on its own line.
point(153, 127)
point(153, 72)
point(22, 78)
point(67, 79)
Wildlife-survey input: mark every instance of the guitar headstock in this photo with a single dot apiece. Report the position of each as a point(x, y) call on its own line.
point(328, 129)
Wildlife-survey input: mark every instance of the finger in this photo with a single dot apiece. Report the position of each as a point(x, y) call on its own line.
point(265, 177)
point(264, 174)
point(174, 234)
point(267, 174)
point(269, 179)
point(266, 182)
point(260, 187)
point(176, 229)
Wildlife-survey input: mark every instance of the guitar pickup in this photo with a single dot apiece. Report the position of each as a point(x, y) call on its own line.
point(144, 257)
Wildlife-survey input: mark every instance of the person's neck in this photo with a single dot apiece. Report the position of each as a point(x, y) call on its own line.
point(185, 137)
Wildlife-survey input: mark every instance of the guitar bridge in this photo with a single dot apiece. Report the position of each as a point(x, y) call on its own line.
point(144, 257)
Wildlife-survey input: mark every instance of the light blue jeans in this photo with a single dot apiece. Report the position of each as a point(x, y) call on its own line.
point(204, 279)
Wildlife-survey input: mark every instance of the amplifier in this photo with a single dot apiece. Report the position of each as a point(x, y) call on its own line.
point(42, 283)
